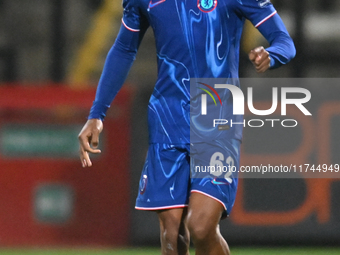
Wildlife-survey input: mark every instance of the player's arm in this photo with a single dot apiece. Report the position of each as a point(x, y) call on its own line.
point(281, 49)
point(117, 65)
point(265, 18)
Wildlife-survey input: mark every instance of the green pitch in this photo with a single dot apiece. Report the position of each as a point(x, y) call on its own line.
point(152, 251)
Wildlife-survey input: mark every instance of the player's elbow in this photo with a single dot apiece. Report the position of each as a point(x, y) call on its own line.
point(286, 48)
point(122, 50)
point(291, 53)
point(282, 50)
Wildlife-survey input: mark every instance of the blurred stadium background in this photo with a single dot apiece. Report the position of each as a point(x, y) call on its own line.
point(51, 56)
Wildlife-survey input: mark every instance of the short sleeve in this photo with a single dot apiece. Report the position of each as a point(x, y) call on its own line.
point(257, 11)
point(131, 16)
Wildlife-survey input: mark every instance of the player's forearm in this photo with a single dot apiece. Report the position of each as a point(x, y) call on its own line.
point(282, 48)
point(116, 68)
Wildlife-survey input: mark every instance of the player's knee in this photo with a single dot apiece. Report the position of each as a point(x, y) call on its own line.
point(169, 230)
point(169, 235)
point(198, 234)
point(200, 231)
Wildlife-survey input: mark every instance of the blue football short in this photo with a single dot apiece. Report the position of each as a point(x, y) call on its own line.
point(171, 173)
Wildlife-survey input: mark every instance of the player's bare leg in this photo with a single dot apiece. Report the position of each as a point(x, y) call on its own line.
point(174, 234)
point(204, 214)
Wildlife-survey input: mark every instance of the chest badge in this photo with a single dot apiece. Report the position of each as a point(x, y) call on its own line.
point(207, 5)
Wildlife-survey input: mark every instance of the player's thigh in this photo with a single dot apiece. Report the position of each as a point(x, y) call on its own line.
point(204, 214)
point(214, 171)
point(165, 179)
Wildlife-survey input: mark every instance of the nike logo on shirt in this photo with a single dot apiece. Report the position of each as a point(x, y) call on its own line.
point(151, 4)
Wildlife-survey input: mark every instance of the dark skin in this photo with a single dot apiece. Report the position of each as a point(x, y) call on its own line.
point(200, 220)
point(260, 59)
point(89, 140)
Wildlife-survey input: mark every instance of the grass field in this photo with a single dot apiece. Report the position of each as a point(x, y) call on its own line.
point(153, 251)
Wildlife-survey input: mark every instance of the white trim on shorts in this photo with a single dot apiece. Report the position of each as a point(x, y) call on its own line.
point(160, 208)
point(208, 195)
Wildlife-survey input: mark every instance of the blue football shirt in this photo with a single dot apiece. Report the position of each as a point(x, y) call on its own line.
point(194, 39)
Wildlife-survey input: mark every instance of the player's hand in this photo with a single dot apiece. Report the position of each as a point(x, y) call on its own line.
point(260, 58)
point(89, 140)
